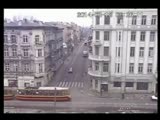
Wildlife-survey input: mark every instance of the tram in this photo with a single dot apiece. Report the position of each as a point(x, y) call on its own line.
point(8, 94)
point(44, 94)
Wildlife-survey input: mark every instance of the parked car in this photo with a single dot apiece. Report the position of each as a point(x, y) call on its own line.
point(70, 70)
point(154, 98)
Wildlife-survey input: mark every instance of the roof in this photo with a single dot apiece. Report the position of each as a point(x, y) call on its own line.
point(29, 24)
point(53, 88)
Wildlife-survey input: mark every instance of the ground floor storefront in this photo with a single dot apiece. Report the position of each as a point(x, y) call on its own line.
point(121, 85)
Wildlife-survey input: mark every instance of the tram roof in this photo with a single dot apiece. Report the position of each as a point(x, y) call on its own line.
point(53, 88)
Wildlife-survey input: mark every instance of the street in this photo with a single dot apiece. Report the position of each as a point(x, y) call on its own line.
point(82, 98)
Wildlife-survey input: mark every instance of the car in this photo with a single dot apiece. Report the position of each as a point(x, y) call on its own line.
point(154, 98)
point(85, 53)
point(70, 70)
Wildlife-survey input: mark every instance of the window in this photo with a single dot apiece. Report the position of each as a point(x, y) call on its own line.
point(97, 20)
point(117, 84)
point(25, 38)
point(40, 67)
point(26, 67)
point(6, 52)
point(15, 66)
point(96, 83)
point(119, 50)
point(14, 51)
point(12, 83)
point(152, 36)
point(141, 52)
point(140, 68)
point(105, 67)
point(142, 86)
point(133, 36)
point(96, 50)
point(150, 52)
point(134, 20)
point(26, 84)
point(142, 36)
point(132, 51)
point(5, 39)
point(7, 66)
point(143, 22)
point(25, 52)
point(131, 68)
point(120, 19)
point(106, 51)
point(38, 84)
point(153, 21)
point(96, 66)
point(119, 37)
point(149, 70)
point(117, 67)
point(106, 35)
point(129, 84)
point(107, 20)
point(97, 35)
point(39, 52)
point(37, 39)
point(13, 38)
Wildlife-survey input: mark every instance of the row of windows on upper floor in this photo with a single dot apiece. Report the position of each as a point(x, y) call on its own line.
point(105, 67)
point(25, 52)
point(26, 67)
point(121, 21)
point(13, 39)
point(119, 49)
point(107, 35)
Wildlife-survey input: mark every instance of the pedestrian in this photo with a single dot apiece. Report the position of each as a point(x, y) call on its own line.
point(122, 95)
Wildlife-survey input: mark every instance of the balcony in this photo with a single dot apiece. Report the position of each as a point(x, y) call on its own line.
point(91, 72)
point(142, 27)
point(99, 58)
point(102, 27)
point(97, 43)
point(39, 43)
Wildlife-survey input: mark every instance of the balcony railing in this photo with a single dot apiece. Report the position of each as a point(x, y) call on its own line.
point(97, 42)
point(97, 73)
point(99, 58)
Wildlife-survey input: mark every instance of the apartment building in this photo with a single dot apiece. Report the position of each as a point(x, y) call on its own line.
point(33, 51)
point(123, 54)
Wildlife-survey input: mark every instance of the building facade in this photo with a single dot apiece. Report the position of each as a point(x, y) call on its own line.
point(33, 52)
point(123, 54)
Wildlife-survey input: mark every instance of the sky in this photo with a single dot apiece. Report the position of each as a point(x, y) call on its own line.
point(48, 15)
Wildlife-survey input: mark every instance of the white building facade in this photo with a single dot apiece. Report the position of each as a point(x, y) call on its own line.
point(124, 51)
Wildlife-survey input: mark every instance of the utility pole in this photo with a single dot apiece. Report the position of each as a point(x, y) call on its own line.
point(55, 100)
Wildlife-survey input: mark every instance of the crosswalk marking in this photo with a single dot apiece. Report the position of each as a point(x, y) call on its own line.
point(66, 84)
point(69, 84)
point(75, 84)
point(72, 84)
point(63, 84)
point(79, 84)
point(60, 84)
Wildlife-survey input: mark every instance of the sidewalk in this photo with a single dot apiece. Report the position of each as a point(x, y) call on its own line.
point(146, 96)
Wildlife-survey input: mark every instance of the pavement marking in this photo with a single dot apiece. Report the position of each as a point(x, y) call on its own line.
point(66, 84)
point(63, 84)
point(75, 84)
point(60, 84)
point(69, 84)
point(72, 84)
point(79, 84)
